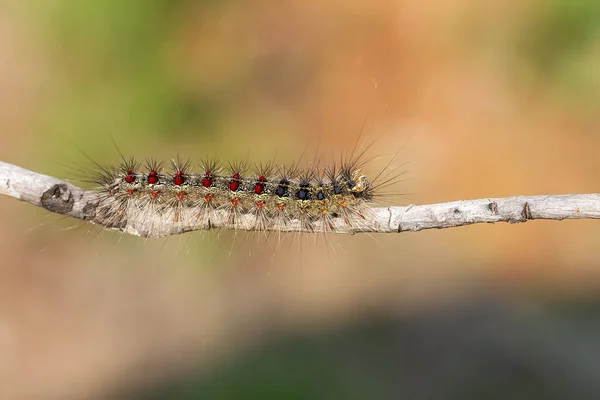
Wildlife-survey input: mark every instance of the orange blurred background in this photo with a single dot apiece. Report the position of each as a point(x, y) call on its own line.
point(489, 99)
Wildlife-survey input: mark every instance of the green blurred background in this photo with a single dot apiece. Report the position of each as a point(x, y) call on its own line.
point(494, 98)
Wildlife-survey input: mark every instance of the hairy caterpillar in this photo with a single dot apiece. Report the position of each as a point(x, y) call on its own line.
point(156, 200)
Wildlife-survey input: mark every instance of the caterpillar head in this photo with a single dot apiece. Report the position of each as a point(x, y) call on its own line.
point(361, 187)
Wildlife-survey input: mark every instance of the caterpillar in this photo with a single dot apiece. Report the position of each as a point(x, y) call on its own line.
point(155, 199)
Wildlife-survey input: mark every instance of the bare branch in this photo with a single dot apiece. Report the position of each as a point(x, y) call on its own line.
point(47, 192)
point(64, 198)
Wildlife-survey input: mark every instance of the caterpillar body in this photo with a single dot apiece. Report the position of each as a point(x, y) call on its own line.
point(150, 200)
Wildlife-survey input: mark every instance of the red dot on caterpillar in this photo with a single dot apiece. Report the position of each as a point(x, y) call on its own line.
point(208, 198)
point(234, 184)
point(207, 182)
point(152, 177)
point(260, 204)
point(130, 178)
point(154, 194)
point(235, 201)
point(260, 186)
point(180, 196)
point(281, 206)
point(179, 179)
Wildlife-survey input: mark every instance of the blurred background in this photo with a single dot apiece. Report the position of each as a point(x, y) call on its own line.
point(489, 99)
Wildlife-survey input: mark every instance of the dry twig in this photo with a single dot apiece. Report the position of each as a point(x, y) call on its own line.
point(64, 198)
